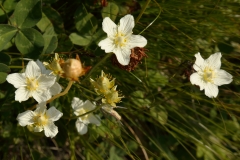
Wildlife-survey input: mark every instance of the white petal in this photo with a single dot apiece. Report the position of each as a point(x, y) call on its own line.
point(109, 27)
point(41, 108)
point(88, 105)
point(77, 103)
point(16, 79)
point(211, 90)
point(196, 79)
point(25, 118)
point(55, 89)
point(123, 55)
point(50, 130)
point(32, 70)
point(22, 94)
point(107, 45)
point(199, 62)
point(41, 96)
point(53, 114)
point(38, 129)
point(126, 24)
point(81, 127)
point(43, 68)
point(94, 119)
point(214, 60)
point(222, 77)
point(136, 41)
point(46, 81)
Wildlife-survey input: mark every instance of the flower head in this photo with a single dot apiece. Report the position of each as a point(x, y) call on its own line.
point(112, 97)
point(208, 75)
point(81, 108)
point(55, 65)
point(120, 39)
point(41, 119)
point(103, 84)
point(32, 83)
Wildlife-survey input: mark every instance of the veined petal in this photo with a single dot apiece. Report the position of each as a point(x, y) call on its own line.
point(53, 114)
point(199, 62)
point(126, 24)
point(25, 118)
point(196, 79)
point(50, 130)
point(55, 89)
point(32, 70)
point(41, 108)
point(88, 105)
point(123, 55)
point(42, 95)
point(211, 90)
point(77, 103)
point(137, 41)
point(22, 94)
point(107, 45)
point(109, 27)
point(43, 68)
point(45, 81)
point(81, 127)
point(222, 77)
point(94, 119)
point(214, 60)
point(16, 79)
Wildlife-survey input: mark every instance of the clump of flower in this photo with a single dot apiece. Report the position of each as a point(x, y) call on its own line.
point(70, 69)
point(208, 75)
point(80, 108)
point(41, 119)
point(104, 86)
point(120, 39)
point(33, 83)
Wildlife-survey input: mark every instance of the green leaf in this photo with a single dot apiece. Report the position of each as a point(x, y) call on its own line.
point(30, 41)
point(80, 40)
point(4, 68)
point(3, 77)
point(85, 22)
point(27, 13)
point(7, 32)
point(160, 114)
point(50, 43)
point(51, 21)
point(50, 1)
point(5, 58)
point(8, 5)
point(110, 11)
point(139, 99)
point(64, 43)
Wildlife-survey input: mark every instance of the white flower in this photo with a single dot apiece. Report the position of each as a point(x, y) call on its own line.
point(41, 119)
point(56, 88)
point(209, 75)
point(80, 108)
point(120, 39)
point(31, 84)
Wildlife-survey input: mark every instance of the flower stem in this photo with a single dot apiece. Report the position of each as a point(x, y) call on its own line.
point(142, 11)
point(98, 64)
point(62, 93)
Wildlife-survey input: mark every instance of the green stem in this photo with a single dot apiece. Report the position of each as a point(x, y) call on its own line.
point(142, 11)
point(94, 68)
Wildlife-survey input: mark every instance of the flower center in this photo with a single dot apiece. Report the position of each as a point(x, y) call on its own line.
point(120, 40)
point(208, 74)
point(32, 84)
point(81, 112)
point(41, 120)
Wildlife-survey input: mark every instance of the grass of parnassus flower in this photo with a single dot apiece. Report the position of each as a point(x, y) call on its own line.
point(166, 117)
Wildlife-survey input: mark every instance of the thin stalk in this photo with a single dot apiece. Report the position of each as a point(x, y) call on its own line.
point(94, 68)
point(142, 11)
